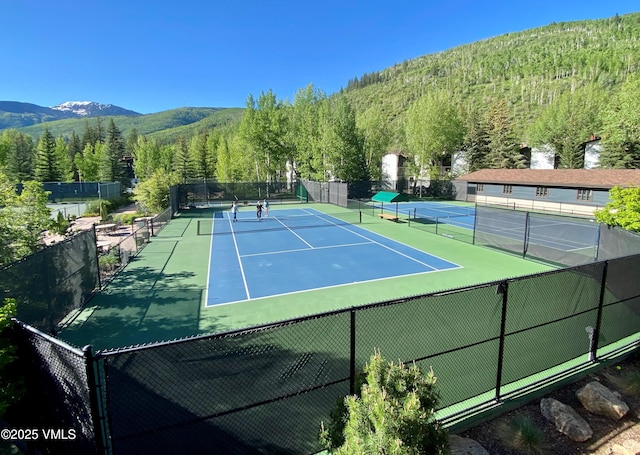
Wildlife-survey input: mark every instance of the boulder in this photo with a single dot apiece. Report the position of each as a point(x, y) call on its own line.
point(600, 400)
point(465, 446)
point(566, 420)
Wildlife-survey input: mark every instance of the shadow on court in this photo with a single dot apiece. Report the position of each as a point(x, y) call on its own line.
point(137, 310)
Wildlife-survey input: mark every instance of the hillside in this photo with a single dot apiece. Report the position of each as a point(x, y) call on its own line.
point(529, 69)
point(14, 114)
point(163, 125)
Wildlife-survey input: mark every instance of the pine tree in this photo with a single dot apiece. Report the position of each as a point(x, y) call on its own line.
point(182, 165)
point(476, 142)
point(392, 413)
point(20, 155)
point(112, 164)
point(504, 150)
point(47, 166)
point(74, 148)
point(201, 158)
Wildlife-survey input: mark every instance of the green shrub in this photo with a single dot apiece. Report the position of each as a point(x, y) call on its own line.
point(392, 413)
point(126, 218)
point(103, 207)
point(60, 225)
point(520, 433)
point(109, 261)
point(11, 384)
point(99, 208)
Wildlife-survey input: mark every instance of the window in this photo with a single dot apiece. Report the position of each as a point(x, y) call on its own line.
point(542, 191)
point(585, 195)
point(480, 187)
point(507, 189)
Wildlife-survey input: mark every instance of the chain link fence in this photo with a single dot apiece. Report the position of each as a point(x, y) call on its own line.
point(266, 389)
point(199, 194)
point(65, 192)
point(50, 284)
point(59, 399)
point(241, 391)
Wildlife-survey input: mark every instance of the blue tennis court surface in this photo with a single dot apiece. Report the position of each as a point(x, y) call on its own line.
point(432, 212)
point(294, 250)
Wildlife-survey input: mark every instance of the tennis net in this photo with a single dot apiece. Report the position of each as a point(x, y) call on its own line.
point(223, 225)
point(459, 227)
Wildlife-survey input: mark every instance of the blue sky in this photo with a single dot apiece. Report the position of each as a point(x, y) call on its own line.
point(150, 56)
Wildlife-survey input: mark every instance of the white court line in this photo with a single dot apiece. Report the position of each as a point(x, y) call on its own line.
point(244, 278)
point(305, 249)
point(206, 294)
point(368, 241)
point(384, 246)
point(326, 287)
point(290, 230)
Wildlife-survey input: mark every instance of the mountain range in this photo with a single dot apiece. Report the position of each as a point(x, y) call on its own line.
point(70, 116)
point(14, 114)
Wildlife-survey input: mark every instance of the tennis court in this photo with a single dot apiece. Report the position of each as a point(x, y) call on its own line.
point(311, 258)
point(294, 250)
point(568, 235)
point(430, 212)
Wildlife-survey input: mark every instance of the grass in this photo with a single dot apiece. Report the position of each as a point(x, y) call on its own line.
point(520, 433)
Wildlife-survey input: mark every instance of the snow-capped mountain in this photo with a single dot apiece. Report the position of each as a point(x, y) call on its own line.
point(92, 109)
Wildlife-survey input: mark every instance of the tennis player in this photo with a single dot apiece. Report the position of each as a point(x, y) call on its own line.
point(234, 210)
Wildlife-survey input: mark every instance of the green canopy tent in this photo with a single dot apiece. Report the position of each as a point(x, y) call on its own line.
point(389, 196)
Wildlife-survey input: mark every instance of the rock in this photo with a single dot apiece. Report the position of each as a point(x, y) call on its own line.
point(600, 400)
point(566, 419)
point(465, 446)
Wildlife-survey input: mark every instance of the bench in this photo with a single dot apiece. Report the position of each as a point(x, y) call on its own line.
point(388, 216)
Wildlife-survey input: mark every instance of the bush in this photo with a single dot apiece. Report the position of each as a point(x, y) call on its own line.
point(126, 218)
point(11, 385)
point(110, 261)
point(99, 208)
point(103, 207)
point(60, 225)
point(392, 413)
point(521, 433)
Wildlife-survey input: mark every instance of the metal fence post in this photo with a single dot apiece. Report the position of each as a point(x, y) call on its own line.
point(99, 430)
point(352, 354)
point(503, 289)
point(95, 238)
point(593, 348)
point(525, 241)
